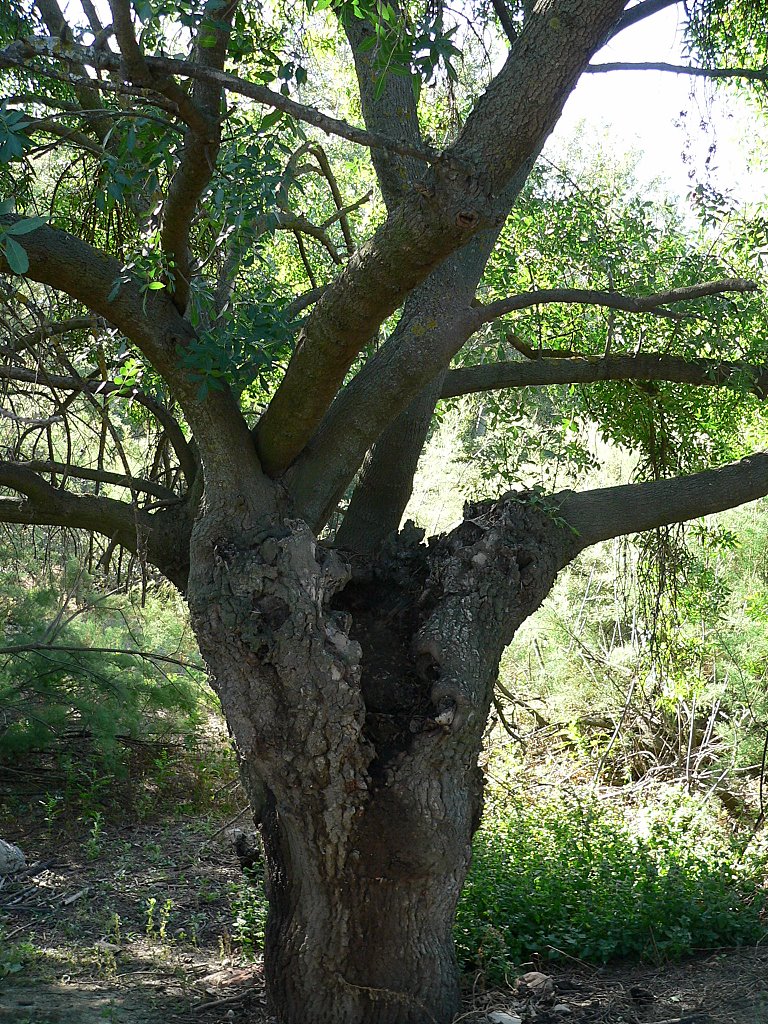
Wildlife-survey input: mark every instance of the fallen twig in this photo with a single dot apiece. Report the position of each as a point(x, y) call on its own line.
point(220, 1002)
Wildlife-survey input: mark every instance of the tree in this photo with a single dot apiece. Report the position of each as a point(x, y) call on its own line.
point(355, 671)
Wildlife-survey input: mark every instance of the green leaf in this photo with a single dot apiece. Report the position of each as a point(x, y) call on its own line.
point(270, 119)
point(23, 227)
point(17, 258)
point(155, 286)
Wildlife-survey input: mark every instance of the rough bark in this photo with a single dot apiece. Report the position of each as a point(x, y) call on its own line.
point(357, 693)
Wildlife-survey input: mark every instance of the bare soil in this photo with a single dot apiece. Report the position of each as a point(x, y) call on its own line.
point(132, 922)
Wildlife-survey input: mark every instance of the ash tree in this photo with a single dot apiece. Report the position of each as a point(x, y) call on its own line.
point(189, 259)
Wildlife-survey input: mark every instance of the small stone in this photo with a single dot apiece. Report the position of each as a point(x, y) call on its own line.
point(562, 1009)
point(539, 985)
point(107, 947)
point(500, 1017)
point(11, 858)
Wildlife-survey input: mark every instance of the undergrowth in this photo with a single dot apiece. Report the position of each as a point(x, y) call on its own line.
point(80, 660)
point(575, 877)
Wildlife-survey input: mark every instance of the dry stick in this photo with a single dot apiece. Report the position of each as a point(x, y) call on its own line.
point(616, 731)
point(689, 1018)
point(201, 1007)
point(761, 816)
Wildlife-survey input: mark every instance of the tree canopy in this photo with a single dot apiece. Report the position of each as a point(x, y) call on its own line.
point(205, 257)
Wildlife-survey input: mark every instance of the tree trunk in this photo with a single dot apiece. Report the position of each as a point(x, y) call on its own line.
point(372, 942)
point(358, 695)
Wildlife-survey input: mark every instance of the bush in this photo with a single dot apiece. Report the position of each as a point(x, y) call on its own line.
point(68, 667)
point(578, 878)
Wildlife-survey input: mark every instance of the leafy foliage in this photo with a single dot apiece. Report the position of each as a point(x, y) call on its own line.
point(64, 673)
point(574, 877)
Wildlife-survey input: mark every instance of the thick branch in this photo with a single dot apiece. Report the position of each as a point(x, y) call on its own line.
point(389, 109)
point(199, 152)
point(445, 210)
point(505, 19)
point(640, 12)
point(541, 372)
point(385, 484)
point(613, 511)
point(164, 536)
point(437, 320)
point(84, 511)
point(611, 300)
point(135, 68)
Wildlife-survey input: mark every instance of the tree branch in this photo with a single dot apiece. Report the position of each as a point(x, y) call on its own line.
point(613, 511)
point(197, 160)
point(436, 321)
point(442, 213)
point(67, 134)
point(86, 511)
point(612, 300)
point(64, 648)
point(640, 12)
point(505, 19)
point(103, 476)
point(748, 74)
point(541, 372)
point(173, 431)
point(52, 330)
point(57, 25)
point(153, 323)
point(389, 109)
point(17, 54)
point(164, 534)
point(135, 67)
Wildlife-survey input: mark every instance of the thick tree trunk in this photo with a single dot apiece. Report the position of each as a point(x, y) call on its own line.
point(357, 696)
point(372, 942)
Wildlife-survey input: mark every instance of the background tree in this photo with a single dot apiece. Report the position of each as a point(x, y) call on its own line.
point(149, 288)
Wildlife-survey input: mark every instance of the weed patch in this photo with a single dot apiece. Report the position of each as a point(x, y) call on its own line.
point(581, 879)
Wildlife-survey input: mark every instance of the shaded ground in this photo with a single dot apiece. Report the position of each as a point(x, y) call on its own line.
point(136, 922)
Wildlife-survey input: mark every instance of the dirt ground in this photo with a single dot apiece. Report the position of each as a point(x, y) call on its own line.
point(135, 923)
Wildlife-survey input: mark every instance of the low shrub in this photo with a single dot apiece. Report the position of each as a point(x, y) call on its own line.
point(578, 878)
point(67, 665)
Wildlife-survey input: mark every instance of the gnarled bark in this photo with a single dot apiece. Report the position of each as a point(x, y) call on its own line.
point(360, 690)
